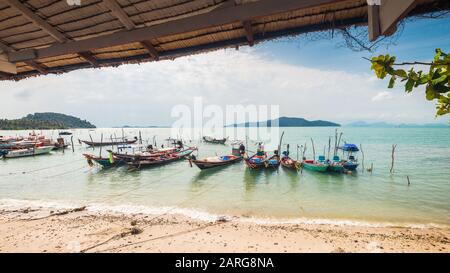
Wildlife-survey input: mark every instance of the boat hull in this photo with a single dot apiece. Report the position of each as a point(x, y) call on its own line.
point(316, 167)
point(337, 168)
point(350, 166)
point(28, 152)
point(291, 164)
point(215, 141)
point(203, 165)
point(161, 161)
point(110, 143)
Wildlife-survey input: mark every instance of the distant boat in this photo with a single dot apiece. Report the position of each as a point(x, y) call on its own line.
point(109, 143)
point(65, 133)
point(27, 152)
point(216, 161)
point(214, 140)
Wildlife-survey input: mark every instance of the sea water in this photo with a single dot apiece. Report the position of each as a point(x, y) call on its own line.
point(373, 198)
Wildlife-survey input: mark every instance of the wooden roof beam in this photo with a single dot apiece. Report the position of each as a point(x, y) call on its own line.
point(89, 57)
point(151, 50)
point(384, 15)
point(37, 20)
point(120, 14)
point(6, 66)
point(39, 67)
point(123, 17)
point(41, 23)
point(249, 32)
point(216, 17)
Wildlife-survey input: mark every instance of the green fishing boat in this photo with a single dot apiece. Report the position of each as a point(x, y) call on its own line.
point(315, 166)
point(336, 165)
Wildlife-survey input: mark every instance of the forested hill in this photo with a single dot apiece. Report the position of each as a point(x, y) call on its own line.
point(289, 122)
point(44, 121)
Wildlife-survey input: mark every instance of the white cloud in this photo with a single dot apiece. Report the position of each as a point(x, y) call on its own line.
point(144, 94)
point(385, 95)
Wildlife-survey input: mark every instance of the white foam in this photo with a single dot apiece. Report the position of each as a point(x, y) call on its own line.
point(128, 209)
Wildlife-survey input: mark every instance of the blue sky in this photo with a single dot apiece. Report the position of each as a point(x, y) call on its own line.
point(310, 79)
point(417, 41)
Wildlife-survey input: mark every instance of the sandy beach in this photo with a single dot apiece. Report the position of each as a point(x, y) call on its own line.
point(44, 230)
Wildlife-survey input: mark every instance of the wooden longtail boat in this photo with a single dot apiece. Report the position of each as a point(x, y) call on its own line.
point(214, 140)
point(162, 160)
point(290, 164)
point(315, 166)
point(28, 152)
point(273, 162)
point(336, 165)
point(145, 155)
point(106, 162)
point(255, 161)
point(351, 163)
point(215, 161)
point(109, 143)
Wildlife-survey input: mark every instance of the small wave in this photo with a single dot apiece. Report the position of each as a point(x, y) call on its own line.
point(128, 209)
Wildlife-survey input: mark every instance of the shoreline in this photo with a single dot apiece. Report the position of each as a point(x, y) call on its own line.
point(81, 230)
point(201, 215)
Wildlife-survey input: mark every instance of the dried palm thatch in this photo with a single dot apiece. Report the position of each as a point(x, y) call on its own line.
point(52, 36)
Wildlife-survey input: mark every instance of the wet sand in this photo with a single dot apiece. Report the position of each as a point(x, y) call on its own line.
point(84, 231)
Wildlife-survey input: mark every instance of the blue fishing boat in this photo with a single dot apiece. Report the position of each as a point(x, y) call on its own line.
point(351, 163)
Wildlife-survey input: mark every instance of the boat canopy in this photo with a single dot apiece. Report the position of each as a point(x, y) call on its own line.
point(348, 147)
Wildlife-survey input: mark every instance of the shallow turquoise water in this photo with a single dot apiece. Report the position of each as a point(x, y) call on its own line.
point(422, 153)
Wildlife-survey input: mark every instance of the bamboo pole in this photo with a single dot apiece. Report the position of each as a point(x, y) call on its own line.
point(93, 147)
point(314, 150)
point(71, 140)
point(329, 146)
point(362, 153)
point(392, 156)
point(101, 141)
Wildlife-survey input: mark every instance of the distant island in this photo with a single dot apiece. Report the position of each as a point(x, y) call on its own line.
point(149, 126)
point(43, 121)
point(401, 125)
point(289, 122)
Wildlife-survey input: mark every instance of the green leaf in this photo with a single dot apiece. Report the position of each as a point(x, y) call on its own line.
point(429, 92)
point(409, 85)
point(401, 73)
point(439, 80)
point(392, 82)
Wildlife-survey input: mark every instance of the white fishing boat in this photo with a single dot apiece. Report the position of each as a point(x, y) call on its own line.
point(28, 152)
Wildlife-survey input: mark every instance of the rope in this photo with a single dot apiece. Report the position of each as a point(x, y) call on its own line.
point(64, 173)
point(40, 169)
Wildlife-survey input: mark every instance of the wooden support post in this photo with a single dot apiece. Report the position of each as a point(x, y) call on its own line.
point(362, 153)
point(249, 32)
point(384, 15)
point(6, 66)
point(392, 156)
point(374, 21)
